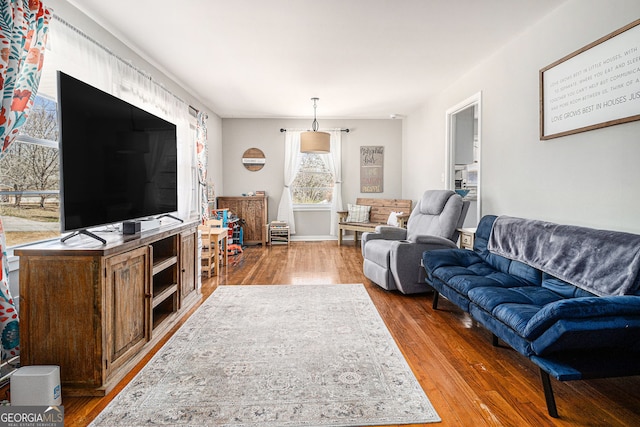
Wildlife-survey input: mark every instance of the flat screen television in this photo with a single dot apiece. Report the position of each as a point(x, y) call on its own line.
point(117, 161)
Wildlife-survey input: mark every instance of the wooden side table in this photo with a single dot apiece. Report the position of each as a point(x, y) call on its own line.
point(467, 237)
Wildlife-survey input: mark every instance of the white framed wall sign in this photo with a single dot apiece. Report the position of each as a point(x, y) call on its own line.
point(371, 169)
point(593, 87)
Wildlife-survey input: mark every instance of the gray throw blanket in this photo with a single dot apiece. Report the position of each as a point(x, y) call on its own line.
point(599, 261)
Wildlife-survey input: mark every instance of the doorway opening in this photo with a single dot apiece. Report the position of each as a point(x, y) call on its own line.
point(463, 159)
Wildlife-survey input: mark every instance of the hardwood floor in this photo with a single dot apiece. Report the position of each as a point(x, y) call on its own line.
point(469, 382)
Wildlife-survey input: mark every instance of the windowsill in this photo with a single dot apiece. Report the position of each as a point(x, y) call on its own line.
point(310, 208)
point(14, 259)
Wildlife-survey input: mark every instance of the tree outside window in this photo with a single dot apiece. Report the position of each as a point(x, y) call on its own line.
point(313, 184)
point(29, 178)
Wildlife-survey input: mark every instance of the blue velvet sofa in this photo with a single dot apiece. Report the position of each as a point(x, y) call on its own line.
point(566, 297)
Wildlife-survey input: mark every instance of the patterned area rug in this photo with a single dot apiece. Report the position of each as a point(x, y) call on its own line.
point(286, 355)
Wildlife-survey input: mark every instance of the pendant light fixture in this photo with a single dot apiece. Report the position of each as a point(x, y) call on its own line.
point(314, 141)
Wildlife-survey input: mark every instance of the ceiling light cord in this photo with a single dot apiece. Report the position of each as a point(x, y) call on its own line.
point(314, 124)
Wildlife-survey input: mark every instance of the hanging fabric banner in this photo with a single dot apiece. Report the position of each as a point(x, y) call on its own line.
point(23, 34)
point(201, 150)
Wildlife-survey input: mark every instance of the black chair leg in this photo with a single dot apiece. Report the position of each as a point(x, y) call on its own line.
point(548, 394)
point(436, 294)
point(494, 340)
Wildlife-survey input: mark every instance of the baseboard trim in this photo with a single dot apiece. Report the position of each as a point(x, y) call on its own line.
point(316, 238)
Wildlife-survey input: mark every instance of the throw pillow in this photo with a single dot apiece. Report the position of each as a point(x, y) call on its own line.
point(358, 213)
point(393, 218)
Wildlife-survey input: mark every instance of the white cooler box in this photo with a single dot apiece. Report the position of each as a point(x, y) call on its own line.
point(36, 386)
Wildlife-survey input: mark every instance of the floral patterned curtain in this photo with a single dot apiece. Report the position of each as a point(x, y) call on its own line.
point(24, 25)
point(201, 150)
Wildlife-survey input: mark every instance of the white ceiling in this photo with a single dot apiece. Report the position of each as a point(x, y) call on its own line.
point(362, 58)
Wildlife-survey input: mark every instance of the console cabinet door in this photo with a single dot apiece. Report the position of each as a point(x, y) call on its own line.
point(127, 306)
point(60, 322)
point(188, 272)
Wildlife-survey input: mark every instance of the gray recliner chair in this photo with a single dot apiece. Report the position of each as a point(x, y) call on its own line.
point(392, 255)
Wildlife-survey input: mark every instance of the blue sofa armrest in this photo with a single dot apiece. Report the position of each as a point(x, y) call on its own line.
point(593, 308)
point(585, 324)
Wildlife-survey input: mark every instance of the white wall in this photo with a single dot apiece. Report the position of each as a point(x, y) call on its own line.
point(586, 179)
point(239, 135)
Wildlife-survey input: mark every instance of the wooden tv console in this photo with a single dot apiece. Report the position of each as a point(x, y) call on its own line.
point(97, 309)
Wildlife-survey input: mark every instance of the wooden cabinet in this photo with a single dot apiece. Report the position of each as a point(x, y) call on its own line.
point(126, 308)
point(188, 267)
point(253, 210)
point(96, 310)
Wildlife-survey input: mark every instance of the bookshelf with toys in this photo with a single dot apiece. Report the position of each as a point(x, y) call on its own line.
point(279, 233)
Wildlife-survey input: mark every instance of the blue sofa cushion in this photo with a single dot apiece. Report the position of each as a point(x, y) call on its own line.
point(513, 306)
point(464, 270)
point(464, 283)
point(563, 288)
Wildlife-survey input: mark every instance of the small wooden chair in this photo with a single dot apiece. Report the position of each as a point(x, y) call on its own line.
point(212, 235)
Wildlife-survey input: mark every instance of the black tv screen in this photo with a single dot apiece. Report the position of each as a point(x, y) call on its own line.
point(117, 162)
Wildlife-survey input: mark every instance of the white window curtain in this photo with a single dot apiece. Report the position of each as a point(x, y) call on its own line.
point(291, 165)
point(333, 160)
point(74, 53)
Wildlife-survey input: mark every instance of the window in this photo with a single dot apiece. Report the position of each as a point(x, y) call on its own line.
point(29, 178)
point(313, 184)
